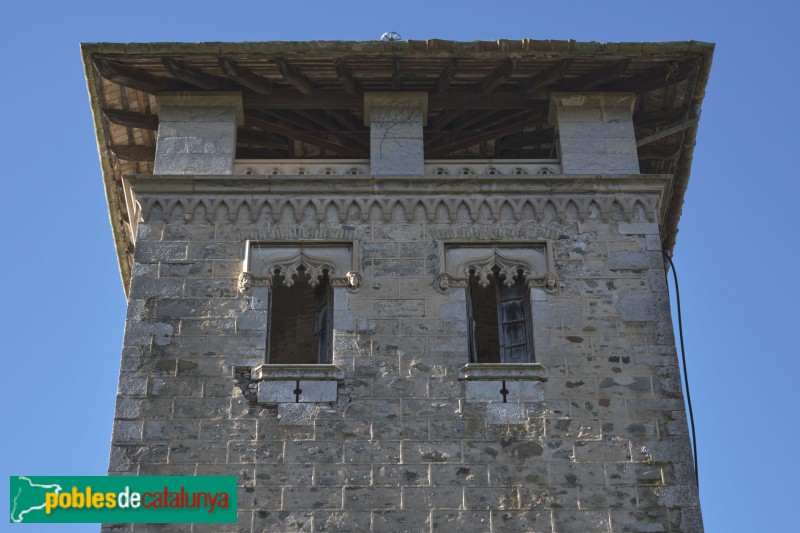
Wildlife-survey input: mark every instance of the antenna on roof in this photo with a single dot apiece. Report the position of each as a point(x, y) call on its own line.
point(391, 36)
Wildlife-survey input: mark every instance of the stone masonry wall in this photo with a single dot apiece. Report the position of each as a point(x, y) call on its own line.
point(600, 446)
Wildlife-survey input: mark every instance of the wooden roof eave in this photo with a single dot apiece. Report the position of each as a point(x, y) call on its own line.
point(422, 51)
point(122, 242)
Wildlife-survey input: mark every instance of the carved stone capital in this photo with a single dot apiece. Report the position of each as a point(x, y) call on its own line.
point(549, 282)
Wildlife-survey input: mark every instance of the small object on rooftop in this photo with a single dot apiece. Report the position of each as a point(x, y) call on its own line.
point(391, 36)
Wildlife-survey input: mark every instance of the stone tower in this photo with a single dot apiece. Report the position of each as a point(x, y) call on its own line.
point(403, 286)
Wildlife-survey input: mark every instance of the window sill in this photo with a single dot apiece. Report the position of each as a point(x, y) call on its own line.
point(503, 372)
point(297, 372)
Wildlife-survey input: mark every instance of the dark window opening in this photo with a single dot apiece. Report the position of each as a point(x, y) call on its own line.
point(498, 321)
point(301, 320)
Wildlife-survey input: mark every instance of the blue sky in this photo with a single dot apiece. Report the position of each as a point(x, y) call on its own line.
point(63, 308)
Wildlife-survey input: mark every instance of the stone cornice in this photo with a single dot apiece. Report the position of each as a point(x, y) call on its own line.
point(446, 199)
point(245, 185)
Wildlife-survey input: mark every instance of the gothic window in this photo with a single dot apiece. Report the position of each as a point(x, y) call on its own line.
point(301, 281)
point(300, 322)
point(498, 281)
point(498, 320)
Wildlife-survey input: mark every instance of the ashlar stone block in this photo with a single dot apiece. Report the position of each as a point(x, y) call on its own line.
point(197, 132)
point(396, 120)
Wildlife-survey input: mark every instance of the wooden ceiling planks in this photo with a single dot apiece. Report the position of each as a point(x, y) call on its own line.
point(308, 98)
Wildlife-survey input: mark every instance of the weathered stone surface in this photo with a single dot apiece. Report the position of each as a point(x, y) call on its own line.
point(397, 434)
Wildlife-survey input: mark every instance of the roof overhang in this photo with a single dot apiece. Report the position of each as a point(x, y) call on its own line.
point(484, 98)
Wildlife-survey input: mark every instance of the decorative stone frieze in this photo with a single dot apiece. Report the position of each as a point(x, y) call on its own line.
point(353, 198)
point(356, 167)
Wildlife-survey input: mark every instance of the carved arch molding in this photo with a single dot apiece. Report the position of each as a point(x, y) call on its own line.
point(508, 262)
point(287, 264)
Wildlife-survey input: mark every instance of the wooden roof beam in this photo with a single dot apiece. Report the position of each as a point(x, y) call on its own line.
point(446, 77)
point(452, 146)
point(546, 78)
point(337, 99)
point(466, 121)
point(131, 119)
point(339, 148)
point(345, 76)
point(194, 76)
point(527, 138)
point(246, 77)
point(668, 130)
point(657, 119)
point(395, 74)
point(134, 153)
point(505, 117)
point(599, 76)
point(656, 78)
point(346, 119)
point(293, 76)
point(256, 138)
point(444, 118)
point(659, 153)
point(134, 78)
point(497, 77)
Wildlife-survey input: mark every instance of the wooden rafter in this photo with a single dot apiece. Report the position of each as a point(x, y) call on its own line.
point(133, 153)
point(444, 118)
point(656, 78)
point(291, 120)
point(395, 74)
point(659, 153)
point(660, 118)
point(326, 99)
point(547, 77)
point(134, 78)
point(246, 77)
point(527, 138)
point(131, 119)
point(345, 119)
point(497, 77)
point(454, 145)
point(294, 76)
point(322, 142)
point(345, 76)
point(446, 77)
point(469, 120)
point(502, 118)
point(599, 76)
point(194, 76)
point(319, 119)
point(255, 138)
point(666, 131)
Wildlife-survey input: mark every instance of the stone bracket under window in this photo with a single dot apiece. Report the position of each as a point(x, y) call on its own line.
point(264, 263)
point(507, 261)
point(504, 382)
point(285, 384)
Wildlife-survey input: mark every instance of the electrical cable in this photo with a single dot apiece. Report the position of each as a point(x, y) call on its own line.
point(683, 359)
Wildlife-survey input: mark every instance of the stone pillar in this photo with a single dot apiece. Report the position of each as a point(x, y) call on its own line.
point(395, 120)
point(595, 132)
point(197, 132)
